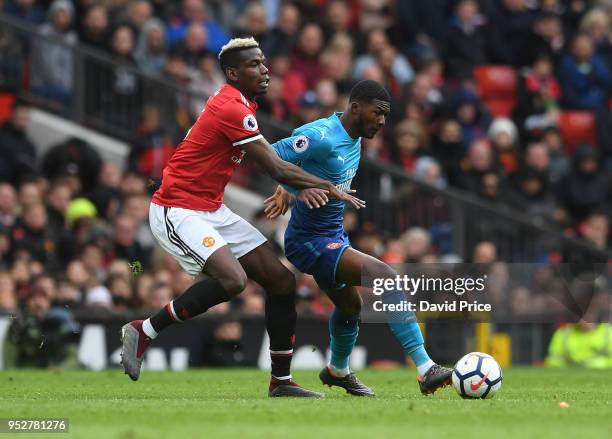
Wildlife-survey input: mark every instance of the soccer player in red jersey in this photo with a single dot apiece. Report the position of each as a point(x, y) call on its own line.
point(189, 220)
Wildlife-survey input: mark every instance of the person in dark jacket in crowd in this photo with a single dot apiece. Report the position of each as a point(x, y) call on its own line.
point(584, 76)
point(17, 152)
point(585, 188)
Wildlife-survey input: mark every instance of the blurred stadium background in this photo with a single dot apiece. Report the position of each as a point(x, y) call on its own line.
point(498, 150)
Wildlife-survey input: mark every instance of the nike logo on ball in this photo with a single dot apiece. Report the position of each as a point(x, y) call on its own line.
point(479, 383)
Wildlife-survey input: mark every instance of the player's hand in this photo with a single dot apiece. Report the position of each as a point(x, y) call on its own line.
point(278, 203)
point(313, 197)
point(346, 196)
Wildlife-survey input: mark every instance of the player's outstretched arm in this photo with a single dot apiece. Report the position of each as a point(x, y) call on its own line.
point(292, 175)
point(282, 171)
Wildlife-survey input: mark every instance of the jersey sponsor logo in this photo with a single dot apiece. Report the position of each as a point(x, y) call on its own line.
point(249, 122)
point(238, 158)
point(344, 186)
point(333, 245)
point(300, 144)
point(208, 241)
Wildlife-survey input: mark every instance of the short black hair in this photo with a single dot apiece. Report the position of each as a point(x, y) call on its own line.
point(368, 90)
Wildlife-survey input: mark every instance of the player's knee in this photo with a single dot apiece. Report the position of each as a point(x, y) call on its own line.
point(352, 307)
point(383, 271)
point(235, 284)
point(284, 284)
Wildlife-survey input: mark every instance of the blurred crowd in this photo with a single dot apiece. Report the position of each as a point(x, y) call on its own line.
point(73, 229)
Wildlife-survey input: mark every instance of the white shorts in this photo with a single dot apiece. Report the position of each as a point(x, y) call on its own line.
point(192, 236)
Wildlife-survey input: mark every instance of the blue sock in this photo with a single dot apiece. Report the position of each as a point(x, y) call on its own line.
point(343, 332)
point(406, 329)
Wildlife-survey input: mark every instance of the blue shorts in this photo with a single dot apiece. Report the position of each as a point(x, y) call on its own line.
point(317, 255)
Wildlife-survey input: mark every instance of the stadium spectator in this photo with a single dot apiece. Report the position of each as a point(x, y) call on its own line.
point(41, 336)
point(537, 158)
point(539, 96)
point(493, 189)
point(17, 152)
point(305, 56)
point(585, 77)
point(428, 170)
point(309, 108)
point(8, 297)
point(466, 42)
point(57, 200)
point(596, 23)
point(27, 10)
point(99, 299)
point(273, 103)
point(122, 294)
point(193, 11)
point(327, 93)
point(126, 245)
point(8, 206)
point(153, 146)
point(559, 162)
point(94, 28)
point(377, 44)
point(150, 51)
point(471, 115)
point(596, 229)
point(52, 62)
point(283, 37)
point(448, 148)
point(157, 297)
point(253, 23)
point(67, 295)
point(337, 19)
point(122, 88)
point(192, 48)
point(416, 243)
point(208, 80)
point(336, 64)
point(225, 349)
point(478, 161)
point(503, 136)
point(545, 39)
point(513, 20)
point(29, 193)
point(74, 160)
point(408, 145)
point(584, 344)
point(584, 189)
point(31, 237)
point(11, 61)
point(532, 194)
point(139, 12)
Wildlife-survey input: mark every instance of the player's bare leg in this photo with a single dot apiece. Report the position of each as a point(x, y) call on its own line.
point(343, 329)
point(262, 266)
point(227, 279)
point(403, 325)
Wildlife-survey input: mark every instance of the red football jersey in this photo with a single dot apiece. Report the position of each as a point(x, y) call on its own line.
point(196, 176)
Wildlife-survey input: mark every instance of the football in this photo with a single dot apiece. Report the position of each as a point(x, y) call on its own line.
point(477, 375)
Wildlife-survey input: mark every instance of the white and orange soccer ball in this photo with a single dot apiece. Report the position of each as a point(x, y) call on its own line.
point(477, 375)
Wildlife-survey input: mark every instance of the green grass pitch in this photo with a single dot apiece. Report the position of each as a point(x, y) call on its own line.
point(233, 403)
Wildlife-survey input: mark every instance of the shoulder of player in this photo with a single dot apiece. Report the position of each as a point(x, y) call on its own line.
point(321, 131)
point(315, 136)
point(233, 104)
point(230, 99)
